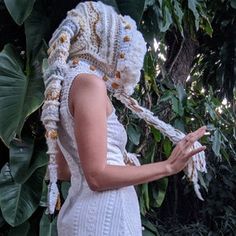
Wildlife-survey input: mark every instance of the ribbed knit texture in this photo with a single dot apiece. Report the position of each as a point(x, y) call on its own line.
point(86, 212)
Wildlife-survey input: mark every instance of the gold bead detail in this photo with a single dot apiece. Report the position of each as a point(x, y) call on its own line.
point(122, 55)
point(117, 74)
point(126, 38)
point(63, 38)
point(53, 95)
point(52, 134)
point(128, 26)
point(115, 85)
point(105, 78)
point(75, 61)
point(92, 68)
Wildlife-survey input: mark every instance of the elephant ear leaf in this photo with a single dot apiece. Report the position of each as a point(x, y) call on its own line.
point(20, 95)
point(25, 159)
point(132, 8)
point(19, 201)
point(19, 10)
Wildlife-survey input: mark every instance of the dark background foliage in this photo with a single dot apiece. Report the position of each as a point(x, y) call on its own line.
point(188, 80)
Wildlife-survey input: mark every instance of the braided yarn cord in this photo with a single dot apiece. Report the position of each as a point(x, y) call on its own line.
point(53, 77)
point(197, 163)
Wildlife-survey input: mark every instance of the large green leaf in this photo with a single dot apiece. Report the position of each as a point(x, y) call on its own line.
point(132, 8)
point(19, 201)
point(162, 187)
point(20, 95)
point(134, 134)
point(2, 221)
point(19, 9)
point(216, 142)
point(192, 5)
point(145, 195)
point(156, 133)
point(150, 229)
point(111, 3)
point(167, 20)
point(167, 146)
point(21, 230)
point(36, 26)
point(233, 4)
point(48, 228)
point(24, 160)
point(178, 16)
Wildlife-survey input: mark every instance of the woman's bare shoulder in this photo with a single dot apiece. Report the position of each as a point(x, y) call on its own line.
point(87, 91)
point(89, 81)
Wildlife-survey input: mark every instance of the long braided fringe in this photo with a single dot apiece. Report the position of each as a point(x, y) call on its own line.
point(53, 78)
point(197, 163)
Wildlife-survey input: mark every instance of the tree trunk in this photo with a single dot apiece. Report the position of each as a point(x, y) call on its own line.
point(180, 55)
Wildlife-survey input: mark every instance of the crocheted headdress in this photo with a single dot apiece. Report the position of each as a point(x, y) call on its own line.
point(95, 33)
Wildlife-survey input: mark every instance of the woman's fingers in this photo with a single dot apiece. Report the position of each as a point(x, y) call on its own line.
point(195, 151)
point(183, 150)
point(190, 138)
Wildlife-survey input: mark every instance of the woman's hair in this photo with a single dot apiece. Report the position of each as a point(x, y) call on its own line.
point(94, 32)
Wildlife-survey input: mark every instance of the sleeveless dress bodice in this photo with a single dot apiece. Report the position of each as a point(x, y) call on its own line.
point(86, 212)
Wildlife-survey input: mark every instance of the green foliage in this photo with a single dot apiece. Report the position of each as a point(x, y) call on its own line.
point(134, 133)
point(24, 160)
point(19, 10)
point(48, 228)
point(36, 28)
point(22, 191)
point(216, 59)
point(19, 201)
point(20, 94)
point(21, 230)
point(185, 16)
point(189, 109)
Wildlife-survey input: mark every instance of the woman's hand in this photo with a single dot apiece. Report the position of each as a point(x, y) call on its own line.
point(183, 151)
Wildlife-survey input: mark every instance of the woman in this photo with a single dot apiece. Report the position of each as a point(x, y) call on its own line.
point(95, 50)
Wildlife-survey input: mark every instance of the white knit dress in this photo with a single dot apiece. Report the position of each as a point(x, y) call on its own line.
point(86, 212)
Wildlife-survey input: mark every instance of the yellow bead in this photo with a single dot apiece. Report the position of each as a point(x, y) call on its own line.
point(122, 55)
point(52, 134)
point(92, 68)
point(128, 26)
point(126, 38)
point(115, 85)
point(117, 74)
point(53, 95)
point(75, 61)
point(63, 38)
point(105, 78)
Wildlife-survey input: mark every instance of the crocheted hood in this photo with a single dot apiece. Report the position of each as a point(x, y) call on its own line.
point(108, 41)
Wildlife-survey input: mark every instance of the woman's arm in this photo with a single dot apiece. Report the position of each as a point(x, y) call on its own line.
point(63, 171)
point(88, 104)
